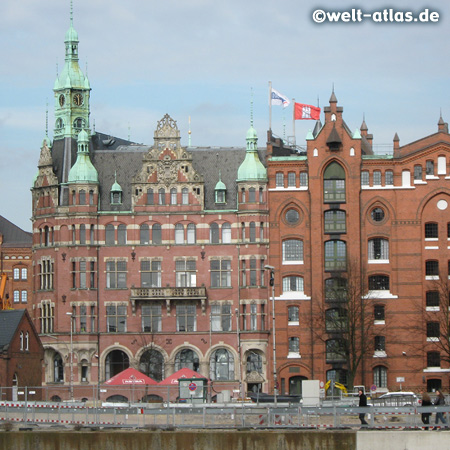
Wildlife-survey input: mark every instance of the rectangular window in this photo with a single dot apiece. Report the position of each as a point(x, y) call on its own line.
point(431, 230)
point(92, 319)
point(334, 191)
point(335, 221)
point(83, 319)
point(221, 317)
point(433, 359)
point(220, 273)
point(376, 178)
point(23, 274)
point(116, 274)
point(433, 330)
point(429, 167)
point(24, 296)
point(365, 178)
point(418, 173)
point(253, 316)
point(150, 273)
point(253, 272)
point(294, 345)
point(151, 318)
point(292, 250)
point(47, 317)
point(116, 319)
point(380, 343)
point(92, 274)
point(303, 179)
point(279, 180)
point(16, 273)
point(186, 318)
point(378, 249)
point(46, 275)
point(291, 179)
point(186, 273)
point(292, 284)
point(432, 298)
point(74, 274)
point(83, 275)
point(378, 312)
point(16, 296)
point(389, 178)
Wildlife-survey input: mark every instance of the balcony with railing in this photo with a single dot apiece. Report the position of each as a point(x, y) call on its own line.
point(167, 294)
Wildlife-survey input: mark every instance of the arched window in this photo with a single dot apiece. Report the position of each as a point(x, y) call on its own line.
point(144, 234)
point(335, 255)
point(380, 376)
point(226, 233)
point(254, 362)
point(156, 234)
point(82, 234)
point(214, 233)
point(115, 362)
point(122, 234)
point(150, 198)
point(58, 369)
point(173, 196)
point(252, 232)
point(293, 284)
point(334, 183)
point(379, 283)
point(292, 251)
point(187, 358)
point(185, 196)
point(152, 364)
point(110, 238)
point(179, 233)
point(222, 365)
point(336, 320)
point(191, 234)
point(162, 196)
point(335, 350)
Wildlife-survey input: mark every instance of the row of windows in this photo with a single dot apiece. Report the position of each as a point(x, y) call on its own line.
point(388, 178)
point(291, 179)
point(432, 230)
point(221, 364)
point(20, 296)
point(252, 318)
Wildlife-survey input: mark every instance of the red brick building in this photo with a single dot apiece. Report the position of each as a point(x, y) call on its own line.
point(155, 255)
point(360, 243)
point(21, 355)
point(16, 263)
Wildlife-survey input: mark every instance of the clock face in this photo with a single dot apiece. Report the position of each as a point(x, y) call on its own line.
point(61, 100)
point(78, 99)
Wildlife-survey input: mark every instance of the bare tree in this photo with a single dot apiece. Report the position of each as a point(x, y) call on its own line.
point(344, 321)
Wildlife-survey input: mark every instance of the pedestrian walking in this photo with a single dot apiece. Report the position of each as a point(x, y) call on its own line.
point(440, 401)
point(426, 401)
point(362, 403)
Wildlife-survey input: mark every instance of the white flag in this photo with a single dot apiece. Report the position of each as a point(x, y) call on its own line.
point(279, 99)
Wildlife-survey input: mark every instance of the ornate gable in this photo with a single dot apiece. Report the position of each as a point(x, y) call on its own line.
point(168, 167)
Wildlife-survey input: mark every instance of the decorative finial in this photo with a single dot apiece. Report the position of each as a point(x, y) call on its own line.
point(71, 12)
point(251, 107)
point(46, 119)
point(57, 74)
point(189, 132)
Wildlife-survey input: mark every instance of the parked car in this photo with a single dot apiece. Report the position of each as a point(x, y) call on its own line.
point(399, 399)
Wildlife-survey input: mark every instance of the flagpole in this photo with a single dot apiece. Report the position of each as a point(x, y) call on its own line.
point(293, 118)
point(270, 107)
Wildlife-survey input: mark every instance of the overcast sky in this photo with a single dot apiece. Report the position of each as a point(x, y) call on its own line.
point(202, 58)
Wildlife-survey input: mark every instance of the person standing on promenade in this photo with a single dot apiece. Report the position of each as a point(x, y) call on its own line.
point(440, 401)
point(426, 401)
point(362, 403)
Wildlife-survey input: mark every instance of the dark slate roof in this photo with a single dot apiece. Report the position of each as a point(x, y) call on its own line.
point(9, 321)
point(111, 155)
point(13, 236)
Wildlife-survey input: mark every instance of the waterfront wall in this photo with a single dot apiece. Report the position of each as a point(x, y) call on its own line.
point(223, 440)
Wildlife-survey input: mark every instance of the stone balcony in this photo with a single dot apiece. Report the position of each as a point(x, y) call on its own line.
point(167, 294)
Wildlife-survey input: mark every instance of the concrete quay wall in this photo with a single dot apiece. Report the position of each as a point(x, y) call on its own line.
point(224, 440)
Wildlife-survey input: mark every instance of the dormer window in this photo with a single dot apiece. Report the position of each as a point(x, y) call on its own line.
point(116, 197)
point(220, 196)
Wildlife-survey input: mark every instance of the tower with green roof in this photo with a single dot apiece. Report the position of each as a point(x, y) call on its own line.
point(71, 91)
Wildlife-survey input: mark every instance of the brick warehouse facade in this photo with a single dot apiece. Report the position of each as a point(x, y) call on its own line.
point(156, 255)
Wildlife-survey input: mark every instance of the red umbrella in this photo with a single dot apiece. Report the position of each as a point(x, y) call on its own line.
point(182, 373)
point(130, 377)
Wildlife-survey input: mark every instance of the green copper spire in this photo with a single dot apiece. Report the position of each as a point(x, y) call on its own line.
point(83, 171)
point(251, 168)
point(71, 90)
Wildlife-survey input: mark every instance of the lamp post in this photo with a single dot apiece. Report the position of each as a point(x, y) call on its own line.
point(275, 378)
point(71, 355)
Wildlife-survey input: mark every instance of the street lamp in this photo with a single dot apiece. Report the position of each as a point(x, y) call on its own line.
point(275, 378)
point(71, 355)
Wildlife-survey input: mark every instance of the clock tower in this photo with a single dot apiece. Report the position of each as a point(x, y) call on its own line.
point(72, 91)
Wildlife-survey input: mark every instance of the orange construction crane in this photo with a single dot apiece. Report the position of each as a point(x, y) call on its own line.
point(4, 298)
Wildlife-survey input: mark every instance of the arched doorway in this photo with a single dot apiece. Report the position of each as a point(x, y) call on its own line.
point(295, 385)
point(152, 364)
point(116, 362)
